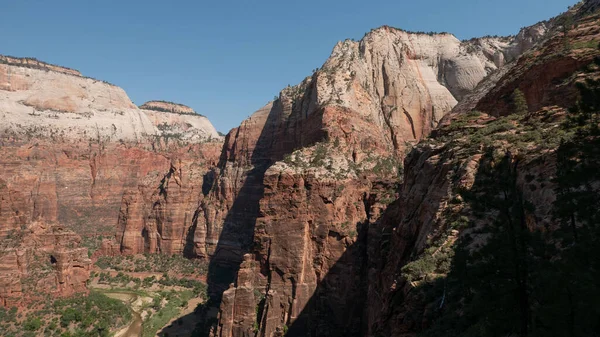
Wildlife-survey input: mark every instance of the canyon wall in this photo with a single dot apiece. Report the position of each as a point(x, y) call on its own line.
point(315, 169)
point(323, 212)
point(481, 175)
point(41, 260)
point(76, 153)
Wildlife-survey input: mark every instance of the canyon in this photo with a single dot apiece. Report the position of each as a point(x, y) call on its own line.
point(77, 153)
point(375, 198)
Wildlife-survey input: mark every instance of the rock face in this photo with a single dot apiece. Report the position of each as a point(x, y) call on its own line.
point(76, 152)
point(91, 188)
point(41, 260)
point(168, 107)
point(451, 190)
point(40, 103)
point(183, 126)
point(316, 249)
point(159, 214)
point(314, 213)
point(406, 82)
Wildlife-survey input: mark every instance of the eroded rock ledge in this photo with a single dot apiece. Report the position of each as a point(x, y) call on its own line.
point(165, 106)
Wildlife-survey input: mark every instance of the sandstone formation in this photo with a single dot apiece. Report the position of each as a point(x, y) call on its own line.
point(307, 271)
point(41, 103)
point(167, 107)
point(41, 260)
point(185, 126)
point(42, 100)
point(328, 212)
point(76, 152)
point(158, 215)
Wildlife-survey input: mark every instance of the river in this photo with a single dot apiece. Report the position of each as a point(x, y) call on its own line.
point(134, 329)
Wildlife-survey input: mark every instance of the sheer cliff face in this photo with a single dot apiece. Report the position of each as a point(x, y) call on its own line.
point(76, 152)
point(405, 82)
point(316, 248)
point(41, 260)
point(315, 169)
point(482, 172)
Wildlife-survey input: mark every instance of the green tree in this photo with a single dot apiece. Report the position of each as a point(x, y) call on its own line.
point(566, 22)
point(519, 102)
point(577, 208)
point(32, 324)
point(491, 286)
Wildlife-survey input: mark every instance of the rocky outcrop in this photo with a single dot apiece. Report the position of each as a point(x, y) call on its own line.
point(370, 100)
point(41, 260)
point(165, 106)
point(405, 82)
point(187, 127)
point(459, 190)
point(37, 64)
point(77, 152)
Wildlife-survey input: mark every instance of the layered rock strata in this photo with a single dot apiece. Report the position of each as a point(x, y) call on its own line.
point(41, 260)
point(180, 122)
point(315, 212)
point(76, 152)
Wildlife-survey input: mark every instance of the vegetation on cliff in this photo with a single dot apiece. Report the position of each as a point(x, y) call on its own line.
point(510, 272)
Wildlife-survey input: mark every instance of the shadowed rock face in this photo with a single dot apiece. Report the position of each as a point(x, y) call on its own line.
point(288, 210)
point(315, 221)
point(442, 172)
point(305, 272)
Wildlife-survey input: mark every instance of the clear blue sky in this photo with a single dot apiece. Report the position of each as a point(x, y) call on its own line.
point(228, 58)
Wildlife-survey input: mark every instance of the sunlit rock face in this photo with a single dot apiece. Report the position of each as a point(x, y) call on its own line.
point(77, 153)
point(41, 260)
point(179, 121)
point(315, 221)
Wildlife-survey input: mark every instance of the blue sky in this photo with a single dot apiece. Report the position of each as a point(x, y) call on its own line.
point(228, 58)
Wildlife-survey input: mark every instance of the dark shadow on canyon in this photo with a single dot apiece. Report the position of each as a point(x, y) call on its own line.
point(358, 296)
point(281, 134)
point(336, 308)
point(511, 285)
point(237, 234)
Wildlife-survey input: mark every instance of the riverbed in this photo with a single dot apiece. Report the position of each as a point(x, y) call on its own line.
point(134, 329)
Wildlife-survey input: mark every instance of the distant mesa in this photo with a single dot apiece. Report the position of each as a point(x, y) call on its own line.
point(30, 62)
point(166, 106)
